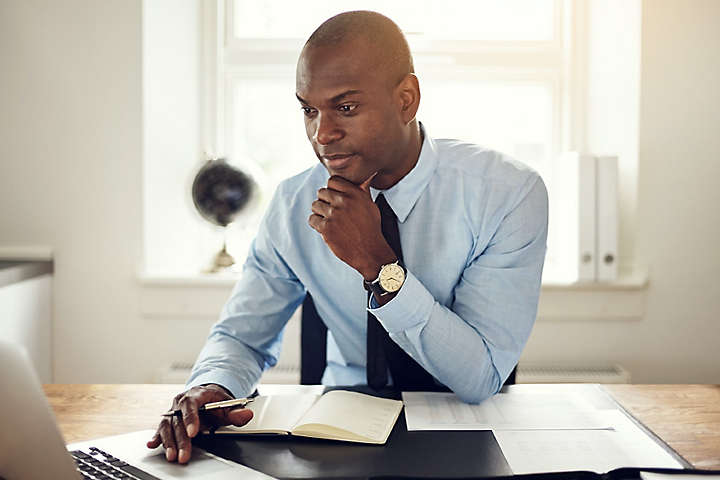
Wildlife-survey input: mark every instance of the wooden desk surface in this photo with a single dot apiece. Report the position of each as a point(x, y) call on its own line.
point(687, 417)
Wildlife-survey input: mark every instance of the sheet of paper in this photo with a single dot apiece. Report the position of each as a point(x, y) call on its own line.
point(626, 445)
point(676, 476)
point(504, 411)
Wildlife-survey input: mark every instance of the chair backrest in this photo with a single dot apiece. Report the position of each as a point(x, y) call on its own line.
point(313, 346)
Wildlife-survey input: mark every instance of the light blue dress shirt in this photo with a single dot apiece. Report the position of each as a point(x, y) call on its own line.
point(473, 229)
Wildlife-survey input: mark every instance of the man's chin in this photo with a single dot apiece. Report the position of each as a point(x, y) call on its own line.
point(350, 175)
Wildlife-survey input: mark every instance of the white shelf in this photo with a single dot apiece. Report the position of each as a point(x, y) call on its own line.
point(26, 252)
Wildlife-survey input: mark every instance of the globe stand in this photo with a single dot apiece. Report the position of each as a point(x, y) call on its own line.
point(222, 262)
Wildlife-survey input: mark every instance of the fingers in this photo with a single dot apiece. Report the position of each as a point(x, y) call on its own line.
point(174, 433)
point(338, 189)
point(240, 417)
point(191, 420)
point(182, 440)
point(317, 222)
point(237, 417)
point(323, 209)
point(336, 182)
point(155, 441)
point(343, 185)
point(167, 438)
point(333, 197)
point(365, 186)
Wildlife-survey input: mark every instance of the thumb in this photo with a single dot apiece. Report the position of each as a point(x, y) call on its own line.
point(365, 186)
point(240, 416)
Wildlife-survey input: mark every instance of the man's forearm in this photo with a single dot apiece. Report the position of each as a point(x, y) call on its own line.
point(450, 347)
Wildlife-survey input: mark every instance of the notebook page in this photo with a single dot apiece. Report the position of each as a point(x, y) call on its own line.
point(364, 415)
point(276, 413)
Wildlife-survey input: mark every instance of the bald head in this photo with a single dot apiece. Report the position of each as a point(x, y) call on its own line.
point(371, 30)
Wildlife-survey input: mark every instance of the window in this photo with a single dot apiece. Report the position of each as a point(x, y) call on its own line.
point(491, 72)
point(507, 74)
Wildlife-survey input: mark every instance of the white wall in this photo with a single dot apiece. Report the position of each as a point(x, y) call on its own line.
point(678, 223)
point(70, 171)
point(71, 176)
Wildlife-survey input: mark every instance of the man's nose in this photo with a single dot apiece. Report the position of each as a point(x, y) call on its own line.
point(326, 130)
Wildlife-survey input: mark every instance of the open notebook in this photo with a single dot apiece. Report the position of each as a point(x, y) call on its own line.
point(336, 415)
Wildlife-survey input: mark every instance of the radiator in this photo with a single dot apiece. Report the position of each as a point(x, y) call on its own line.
point(535, 373)
point(178, 372)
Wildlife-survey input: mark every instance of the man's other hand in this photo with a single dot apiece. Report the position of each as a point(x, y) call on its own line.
point(349, 222)
point(174, 433)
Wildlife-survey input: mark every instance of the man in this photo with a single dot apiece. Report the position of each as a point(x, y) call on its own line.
point(442, 242)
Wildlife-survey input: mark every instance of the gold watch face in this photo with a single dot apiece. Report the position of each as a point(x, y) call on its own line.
point(392, 277)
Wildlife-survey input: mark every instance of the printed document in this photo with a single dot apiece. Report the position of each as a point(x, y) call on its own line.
point(503, 411)
point(626, 445)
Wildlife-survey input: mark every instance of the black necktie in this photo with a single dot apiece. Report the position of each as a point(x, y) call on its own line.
point(383, 352)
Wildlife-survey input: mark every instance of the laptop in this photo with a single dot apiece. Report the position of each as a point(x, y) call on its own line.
point(31, 446)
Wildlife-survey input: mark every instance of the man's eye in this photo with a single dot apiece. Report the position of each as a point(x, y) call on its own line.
point(347, 108)
point(308, 111)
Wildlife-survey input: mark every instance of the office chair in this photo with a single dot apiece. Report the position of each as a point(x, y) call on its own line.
point(313, 346)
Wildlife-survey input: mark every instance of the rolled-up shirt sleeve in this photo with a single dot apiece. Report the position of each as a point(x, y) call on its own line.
point(472, 345)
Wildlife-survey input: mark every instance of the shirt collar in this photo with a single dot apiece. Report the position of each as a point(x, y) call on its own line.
point(404, 194)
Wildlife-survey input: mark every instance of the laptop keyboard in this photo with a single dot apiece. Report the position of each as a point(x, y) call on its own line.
point(97, 465)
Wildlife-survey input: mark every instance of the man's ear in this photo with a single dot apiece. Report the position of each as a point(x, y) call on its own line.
point(408, 91)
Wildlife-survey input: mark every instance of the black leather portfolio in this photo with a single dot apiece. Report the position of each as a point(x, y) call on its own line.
point(420, 454)
point(406, 455)
point(425, 454)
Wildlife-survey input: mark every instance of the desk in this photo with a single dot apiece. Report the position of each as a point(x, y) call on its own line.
point(686, 417)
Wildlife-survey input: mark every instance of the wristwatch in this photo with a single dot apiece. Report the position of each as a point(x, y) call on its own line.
point(389, 280)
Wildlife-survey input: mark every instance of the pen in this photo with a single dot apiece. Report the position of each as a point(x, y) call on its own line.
point(235, 402)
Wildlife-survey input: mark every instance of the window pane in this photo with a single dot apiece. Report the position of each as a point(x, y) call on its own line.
point(516, 119)
point(489, 20)
point(268, 129)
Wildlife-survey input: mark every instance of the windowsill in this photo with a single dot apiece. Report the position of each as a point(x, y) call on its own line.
point(203, 295)
point(627, 280)
point(188, 279)
point(630, 279)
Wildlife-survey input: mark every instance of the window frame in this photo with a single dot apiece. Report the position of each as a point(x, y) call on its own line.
point(558, 63)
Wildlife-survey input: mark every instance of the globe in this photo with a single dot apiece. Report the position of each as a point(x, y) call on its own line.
point(221, 193)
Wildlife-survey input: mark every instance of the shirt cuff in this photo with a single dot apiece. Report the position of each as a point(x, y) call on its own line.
point(227, 381)
point(411, 306)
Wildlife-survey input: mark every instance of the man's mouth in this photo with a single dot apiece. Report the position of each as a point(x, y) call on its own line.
point(337, 161)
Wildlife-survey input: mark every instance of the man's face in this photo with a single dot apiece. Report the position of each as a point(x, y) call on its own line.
point(351, 116)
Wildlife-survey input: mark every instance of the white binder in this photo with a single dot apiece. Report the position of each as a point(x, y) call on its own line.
point(576, 202)
point(607, 218)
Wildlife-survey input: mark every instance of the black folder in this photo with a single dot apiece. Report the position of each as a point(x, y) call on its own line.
point(416, 454)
